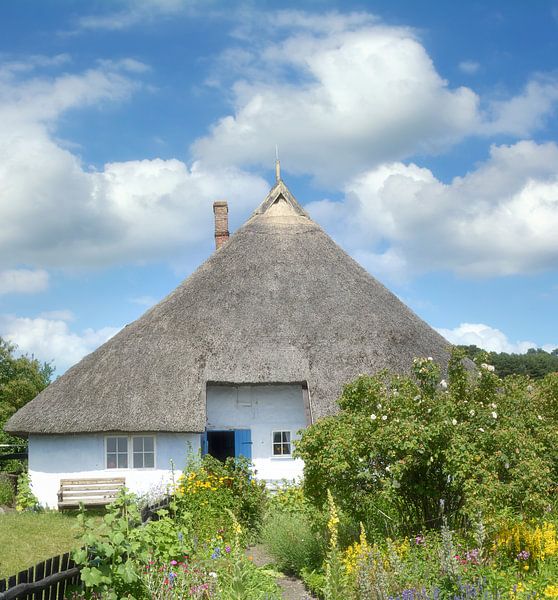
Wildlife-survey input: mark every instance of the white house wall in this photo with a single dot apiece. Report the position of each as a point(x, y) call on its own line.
point(55, 457)
point(262, 409)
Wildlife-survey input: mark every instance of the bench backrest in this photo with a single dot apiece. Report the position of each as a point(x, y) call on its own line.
point(89, 490)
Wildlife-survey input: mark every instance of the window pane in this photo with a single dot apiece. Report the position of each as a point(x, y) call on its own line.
point(149, 460)
point(286, 448)
point(138, 444)
point(276, 437)
point(122, 461)
point(276, 449)
point(111, 461)
point(148, 443)
point(286, 436)
point(111, 444)
point(138, 460)
point(122, 444)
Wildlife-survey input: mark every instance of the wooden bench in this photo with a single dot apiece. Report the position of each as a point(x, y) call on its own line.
point(89, 492)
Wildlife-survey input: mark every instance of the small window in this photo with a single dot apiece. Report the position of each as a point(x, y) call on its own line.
point(117, 452)
point(144, 452)
point(281, 443)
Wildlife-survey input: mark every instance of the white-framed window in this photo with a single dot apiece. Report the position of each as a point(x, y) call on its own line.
point(130, 451)
point(143, 448)
point(281, 443)
point(117, 452)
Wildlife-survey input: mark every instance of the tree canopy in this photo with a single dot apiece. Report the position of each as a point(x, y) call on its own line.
point(535, 362)
point(21, 379)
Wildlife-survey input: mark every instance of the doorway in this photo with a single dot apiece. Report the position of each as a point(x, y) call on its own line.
point(226, 443)
point(220, 444)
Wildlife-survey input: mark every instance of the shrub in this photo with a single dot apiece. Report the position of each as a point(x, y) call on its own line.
point(406, 451)
point(292, 542)
point(25, 499)
point(7, 493)
point(208, 488)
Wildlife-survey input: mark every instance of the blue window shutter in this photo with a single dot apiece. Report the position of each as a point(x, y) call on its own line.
point(243, 443)
point(204, 445)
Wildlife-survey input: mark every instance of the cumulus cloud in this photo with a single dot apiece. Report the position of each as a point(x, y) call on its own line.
point(66, 215)
point(499, 219)
point(23, 281)
point(488, 338)
point(343, 93)
point(51, 339)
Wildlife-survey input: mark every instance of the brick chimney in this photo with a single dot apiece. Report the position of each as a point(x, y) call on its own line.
point(221, 212)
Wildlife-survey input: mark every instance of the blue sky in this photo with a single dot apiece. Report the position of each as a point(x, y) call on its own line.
point(423, 136)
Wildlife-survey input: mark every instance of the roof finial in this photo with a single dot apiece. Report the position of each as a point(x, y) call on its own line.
point(277, 165)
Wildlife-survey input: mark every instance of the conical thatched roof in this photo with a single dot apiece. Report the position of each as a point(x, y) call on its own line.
point(279, 302)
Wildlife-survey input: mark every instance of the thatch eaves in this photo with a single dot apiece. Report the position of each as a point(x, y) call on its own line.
point(279, 302)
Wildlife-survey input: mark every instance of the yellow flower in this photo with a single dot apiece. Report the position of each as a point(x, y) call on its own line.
point(551, 591)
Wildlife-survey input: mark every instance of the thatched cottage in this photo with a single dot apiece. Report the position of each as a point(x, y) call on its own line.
point(249, 349)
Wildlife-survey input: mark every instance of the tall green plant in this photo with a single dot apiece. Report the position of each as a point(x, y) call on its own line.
point(405, 452)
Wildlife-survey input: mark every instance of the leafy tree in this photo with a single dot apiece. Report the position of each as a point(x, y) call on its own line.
point(21, 379)
point(406, 452)
point(535, 362)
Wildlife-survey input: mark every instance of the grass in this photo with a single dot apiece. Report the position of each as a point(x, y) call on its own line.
point(28, 538)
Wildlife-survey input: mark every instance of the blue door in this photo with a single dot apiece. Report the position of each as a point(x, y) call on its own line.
point(204, 444)
point(243, 443)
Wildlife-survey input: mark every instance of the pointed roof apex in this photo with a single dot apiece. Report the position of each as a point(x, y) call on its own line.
point(280, 192)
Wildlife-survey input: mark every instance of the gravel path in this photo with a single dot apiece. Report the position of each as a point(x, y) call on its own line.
point(293, 588)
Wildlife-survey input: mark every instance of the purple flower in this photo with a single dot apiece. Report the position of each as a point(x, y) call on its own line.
point(173, 562)
point(419, 540)
point(216, 553)
point(523, 555)
point(227, 549)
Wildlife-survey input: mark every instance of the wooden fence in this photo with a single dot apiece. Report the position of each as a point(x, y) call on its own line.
point(50, 579)
point(47, 580)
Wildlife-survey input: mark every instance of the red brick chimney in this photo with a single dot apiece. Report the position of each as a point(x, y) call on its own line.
point(221, 212)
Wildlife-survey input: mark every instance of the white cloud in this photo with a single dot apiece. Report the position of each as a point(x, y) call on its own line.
point(338, 98)
point(343, 93)
point(499, 219)
point(65, 215)
point(488, 338)
point(23, 281)
point(52, 340)
point(470, 67)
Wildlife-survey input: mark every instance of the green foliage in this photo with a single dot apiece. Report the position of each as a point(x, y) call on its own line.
point(25, 499)
point(536, 363)
point(209, 488)
point(21, 379)
point(405, 452)
point(111, 551)
point(190, 549)
point(293, 531)
point(7, 493)
point(292, 542)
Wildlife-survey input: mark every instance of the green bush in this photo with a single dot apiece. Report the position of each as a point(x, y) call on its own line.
point(405, 452)
point(291, 541)
point(7, 493)
point(25, 499)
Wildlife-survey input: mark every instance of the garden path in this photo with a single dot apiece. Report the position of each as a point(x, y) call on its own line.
point(293, 588)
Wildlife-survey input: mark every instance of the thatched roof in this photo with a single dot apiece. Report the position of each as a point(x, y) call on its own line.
point(279, 302)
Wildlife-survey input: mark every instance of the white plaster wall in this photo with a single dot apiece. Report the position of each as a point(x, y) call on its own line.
point(262, 409)
point(55, 457)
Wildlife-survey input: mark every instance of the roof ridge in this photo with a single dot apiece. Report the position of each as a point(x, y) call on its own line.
point(280, 190)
